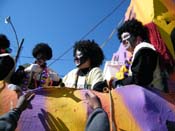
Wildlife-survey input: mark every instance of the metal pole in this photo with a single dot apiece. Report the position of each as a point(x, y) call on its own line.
point(8, 21)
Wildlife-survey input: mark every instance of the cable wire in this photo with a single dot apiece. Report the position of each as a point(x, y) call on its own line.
point(91, 30)
point(112, 33)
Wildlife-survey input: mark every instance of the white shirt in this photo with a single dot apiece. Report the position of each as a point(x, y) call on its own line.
point(94, 76)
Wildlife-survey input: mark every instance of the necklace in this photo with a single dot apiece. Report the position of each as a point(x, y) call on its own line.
point(34, 80)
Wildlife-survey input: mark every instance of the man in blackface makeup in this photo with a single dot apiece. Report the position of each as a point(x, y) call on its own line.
point(88, 57)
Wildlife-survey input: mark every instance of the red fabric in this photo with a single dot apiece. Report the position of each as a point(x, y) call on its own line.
point(155, 39)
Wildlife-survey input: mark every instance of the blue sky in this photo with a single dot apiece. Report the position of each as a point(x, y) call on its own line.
point(60, 23)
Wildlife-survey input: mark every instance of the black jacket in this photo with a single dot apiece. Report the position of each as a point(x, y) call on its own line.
point(142, 68)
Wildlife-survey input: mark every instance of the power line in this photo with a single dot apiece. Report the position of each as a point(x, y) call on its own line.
point(112, 33)
point(30, 57)
point(110, 36)
point(92, 29)
point(103, 19)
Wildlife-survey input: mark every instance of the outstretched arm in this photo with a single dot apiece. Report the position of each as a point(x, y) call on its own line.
point(98, 119)
point(8, 121)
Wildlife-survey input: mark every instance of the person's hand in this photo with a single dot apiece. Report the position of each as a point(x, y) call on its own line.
point(33, 68)
point(24, 100)
point(93, 100)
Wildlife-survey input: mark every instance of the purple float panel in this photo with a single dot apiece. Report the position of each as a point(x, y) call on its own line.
point(149, 109)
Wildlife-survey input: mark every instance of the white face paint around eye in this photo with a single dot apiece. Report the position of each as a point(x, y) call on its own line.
point(78, 57)
point(126, 43)
point(125, 36)
point(79, 54)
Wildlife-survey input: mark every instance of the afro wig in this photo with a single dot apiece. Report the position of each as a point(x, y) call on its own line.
point(42, 50)
point(92, 50)
point(135, 28)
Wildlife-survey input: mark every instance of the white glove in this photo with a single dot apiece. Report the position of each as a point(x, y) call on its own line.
point(33, 68)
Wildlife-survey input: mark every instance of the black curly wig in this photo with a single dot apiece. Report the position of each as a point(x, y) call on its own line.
point(4, 42)
point(91, 49)
point(135, 28)
point(42, 50)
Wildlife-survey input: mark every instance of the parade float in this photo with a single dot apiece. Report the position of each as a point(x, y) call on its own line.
point(131, 108)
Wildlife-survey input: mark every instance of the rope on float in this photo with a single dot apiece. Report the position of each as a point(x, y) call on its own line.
point(113, 126)
point(111, 110)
